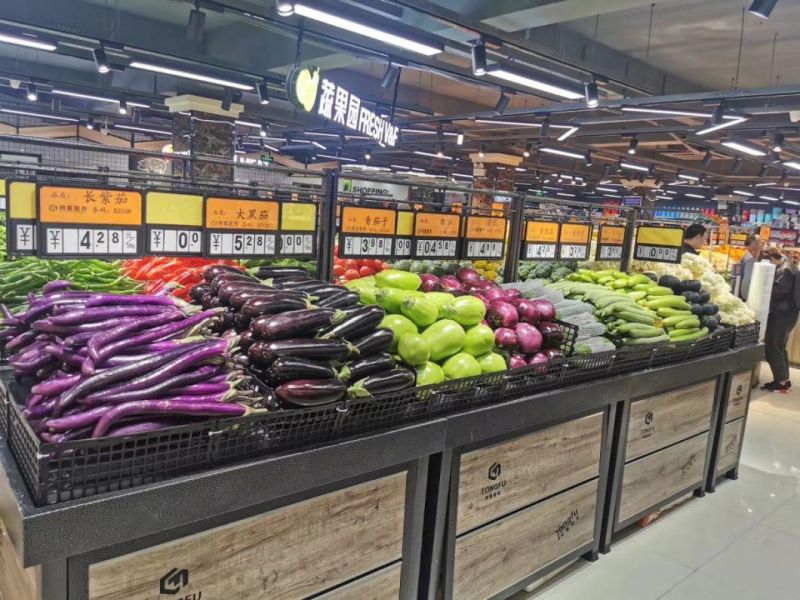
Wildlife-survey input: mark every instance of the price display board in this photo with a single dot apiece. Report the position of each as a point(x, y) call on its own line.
point(574, 241)
point(174, 223)
point(240, 228)
point(367, 232)
point(541, 240)
point(436, 236)
point(404, 234)
point(3, 203)
point(738, 238)
point(658, 243)
point(21, 231)
point(485, 238)
point(298, 230)
point(610, 240)
point(783, 237)
point(79, 222)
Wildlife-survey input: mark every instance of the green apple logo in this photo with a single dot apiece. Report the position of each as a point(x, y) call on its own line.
point(303, 85)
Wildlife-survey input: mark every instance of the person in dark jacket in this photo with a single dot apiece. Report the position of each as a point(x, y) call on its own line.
point(694, 238)
point(783, 311)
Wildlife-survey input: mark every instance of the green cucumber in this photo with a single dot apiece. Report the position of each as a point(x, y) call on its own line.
point(691, 337)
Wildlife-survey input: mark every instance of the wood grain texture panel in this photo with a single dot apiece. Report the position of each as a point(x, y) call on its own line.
point(292, 552)
point(381, 585)
point(732, 436)
point(738, 396)
point(494, 557)
point(662, 420)
point(531, 467)
point(654, 478)
point(16, 583)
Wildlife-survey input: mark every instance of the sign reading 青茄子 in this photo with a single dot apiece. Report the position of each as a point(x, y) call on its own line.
point(316, 94)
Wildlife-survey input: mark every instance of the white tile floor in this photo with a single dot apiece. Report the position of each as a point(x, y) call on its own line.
point(740, 543)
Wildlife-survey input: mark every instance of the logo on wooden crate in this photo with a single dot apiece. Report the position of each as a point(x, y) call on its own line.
point(732, 443)
point(493, 489)
point(567, 524)
point(650, 429)
point(174, 581)
point(494, 471)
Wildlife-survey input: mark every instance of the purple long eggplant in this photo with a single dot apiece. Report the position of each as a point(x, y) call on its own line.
point(128, 391)
point(77, 420)
point(106, 337)
point(91, 315)
point(133, 299)
point(368, 365)
point(374, 343)
point(238, 299)
point(137, 427)
point(211, 272)
point(224, 278)
point(21, 341)
point(265, 352)
point(290, 368)
point(227, 290)
point(311, 392)
point(293, 324)
point(168, 407)
point(255, 307)
point(56, 385)
point(382, 383)
point(278, 272)
point(359, 323)
point(57, 285)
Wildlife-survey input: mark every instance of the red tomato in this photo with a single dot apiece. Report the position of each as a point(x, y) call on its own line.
point(385, 266)
point(376, 265)
point(351, 274)
point(366, 271)
point(338, 269)
point(351, 263)
point(338, 261)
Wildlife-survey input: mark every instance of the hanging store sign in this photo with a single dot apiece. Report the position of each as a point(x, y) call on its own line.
point(367, 232)
point(632, 201)
point(374, 189)
point(541, 240)
point(316, 94)
point(610, 240)
point(574, 241)
point(404, 234)
point(21, 217)
point(436, 236)
point(240, 228)
point(76, 222)
point(485, 238)
point(174, 224)
point(658, 243)
point(298, 230)
point(738, 238)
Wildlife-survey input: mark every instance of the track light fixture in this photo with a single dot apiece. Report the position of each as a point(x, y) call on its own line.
point(707, 158)
point(527, 152)
point(545, 127)
point(762, 8)
point(479, 58)
point(90, 123)
point(460, 138)
point(737, 165)
point(719, 111)
point(633, 145)
point(482, 150)
point(33, 94)
point(591, 94)
point(123, 107)
point(100, 60)
point(227, 100)
point(784, 181)
point(502, 103)
point(390, 77)
point(440, 151)
point(197, 23)
point(368, 154)
point(763, 171)
point(777, 142)
point(284, 8)
point(588, 158)
point(263, 93)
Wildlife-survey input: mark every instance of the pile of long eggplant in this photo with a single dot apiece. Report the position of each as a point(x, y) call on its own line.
point(110, 365)
point(308, 340)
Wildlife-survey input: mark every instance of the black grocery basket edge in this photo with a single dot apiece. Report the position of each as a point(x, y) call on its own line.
point(745, 335)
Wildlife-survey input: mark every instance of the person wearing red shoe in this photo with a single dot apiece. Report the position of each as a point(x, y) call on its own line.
point(783, 311)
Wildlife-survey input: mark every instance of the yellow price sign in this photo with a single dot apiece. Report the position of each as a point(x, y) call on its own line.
point(21, 217)
point(486, 228)
point(437, 225)
point(372, 221)
point(103, 206)
point(660, 236)
point(233, 213)
point(575, 233)
point(174, 223)
point(612, 235)
point(542, 231)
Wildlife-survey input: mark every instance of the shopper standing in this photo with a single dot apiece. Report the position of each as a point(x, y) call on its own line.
point(783, 311)
point(694, 238)
point(754, 245)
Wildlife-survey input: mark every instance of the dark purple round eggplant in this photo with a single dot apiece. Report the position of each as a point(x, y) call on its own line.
point(368, 365)
point(326, 290)
point(241, 322)
point(311, 392)
point(198, 291)
point(341, 300)
point(358, 324)
point(383, 383)
point(207, 300)
point(228, 289)
point(238, 299)
point(256, 307)
point(297, 284)
point(246, 339)
point(374, 343)
point(224, 278)
point(215, 270)
point(242, 360)
point(265, 352)
point(289, 368)
point(293, 324)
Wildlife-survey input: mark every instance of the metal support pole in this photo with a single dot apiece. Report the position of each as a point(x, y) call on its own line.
point(514, 250)
point(330, 189)
point(627, 245)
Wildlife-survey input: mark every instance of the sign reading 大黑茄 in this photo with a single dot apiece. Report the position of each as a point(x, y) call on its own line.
point(308, 89)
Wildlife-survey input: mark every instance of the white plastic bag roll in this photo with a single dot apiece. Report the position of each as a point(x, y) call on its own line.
point(760, 292)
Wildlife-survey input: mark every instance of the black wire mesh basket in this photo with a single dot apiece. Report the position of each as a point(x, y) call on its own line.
point(745, 335)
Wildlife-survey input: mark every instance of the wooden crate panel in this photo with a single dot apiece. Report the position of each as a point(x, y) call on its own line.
point(16, 583)
point(499, 479)
point(732, 436)
point(381, 585)
point(492, 558)
point(662, 420)
point(292, 552)
point(738, 396)
point(650, 480)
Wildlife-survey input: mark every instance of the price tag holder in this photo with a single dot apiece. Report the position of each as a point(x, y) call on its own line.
point(298, 230)
point(610, 240)
point(436, 236)
point(541, 240)
point(367, 232)
point(574, 241)
point(3, 203)
point(404, 234)
point(240, 228)
point(81, 222)
point(174, 223)
point(738, 239)
point(21, 229)
point(658, 243)
point(485, 238)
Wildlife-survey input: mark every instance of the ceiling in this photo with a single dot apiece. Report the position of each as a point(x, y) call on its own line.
point(680, 54)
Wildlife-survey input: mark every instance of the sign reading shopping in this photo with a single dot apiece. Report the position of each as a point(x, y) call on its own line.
point(314, 93)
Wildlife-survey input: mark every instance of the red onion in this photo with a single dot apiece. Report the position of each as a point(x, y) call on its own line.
point(495, 294)
point(480, 296)
point(527, 310)
point(485, 284)
point(450, 284)
point(429, 281)
point(552, 334)
point(517, 361)
point(528, 338)
point(505, 338)
point(502, 314)
point(468, 276)
point(512, 294)
point(547, 311)
point(552, 353)
point(539, 360)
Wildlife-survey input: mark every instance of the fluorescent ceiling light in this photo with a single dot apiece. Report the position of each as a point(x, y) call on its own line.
point(249, 124)
point(695, 196)
point(97, 98)
point(432, 154)
point(568, 153)
point(318, 145)
point(418, 131)
point(464, 175)
point(511, 123)
point(688, 177)
point(666, 111)
point(744, 147)
point(399, 167)
point(755, 202)
point(567, 133)
point(273, 148)
point(773, 198)
point(663, 197)
point(673, 192)
point(380, 35)
point(605, 189)
point(501, 72)
point(28, 42)
point(189, 75)
point(764, 184)
point(792, 164)
point(342, 158)
point(145, 129)
point(25, 113)
point(791, 202)
point(722, 125)
point(320, 134)
point(565, 195)
point(520, 169)
point(550, 187)
point(634, 166)
point(459, 139)
point(743, 193)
